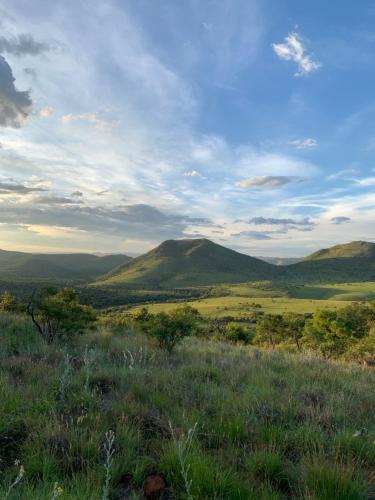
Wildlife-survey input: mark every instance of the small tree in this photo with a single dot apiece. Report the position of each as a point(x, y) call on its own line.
point(268, 330)
point(9, 304)
point(293, 328)
point(57, 312)
point(170, 329)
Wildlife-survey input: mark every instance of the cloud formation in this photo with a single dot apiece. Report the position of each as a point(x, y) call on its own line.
point(21, 45)
point(293, 50)
point(254, 235)
point(15, 105)
point(13, 188)
point(340, 220)
point(130, 221)
point(266, 181)
point(192, 173)
point(307, 143)
point(272, 221)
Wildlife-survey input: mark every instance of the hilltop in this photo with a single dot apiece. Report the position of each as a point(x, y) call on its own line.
point(22, 266)
point(193, 262)
point(353, 261)
point(345, 251)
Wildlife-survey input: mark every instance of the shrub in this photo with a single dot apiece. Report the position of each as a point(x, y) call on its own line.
point(237, 333)
point(57, 312)
point(9, 304)
point(170, 329)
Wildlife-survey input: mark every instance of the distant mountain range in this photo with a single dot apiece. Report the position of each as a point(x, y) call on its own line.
point(22, 266)
point(189, 263)
point(181, 263)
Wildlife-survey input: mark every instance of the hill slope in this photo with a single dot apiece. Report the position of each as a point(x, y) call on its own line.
point(347, 251)
point(353, 261)
point(177, 263)
point(27, 266)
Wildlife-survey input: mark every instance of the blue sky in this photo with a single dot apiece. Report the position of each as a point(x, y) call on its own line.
point(125, 123)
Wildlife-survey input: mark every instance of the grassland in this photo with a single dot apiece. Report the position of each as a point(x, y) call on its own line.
point(240, 300)
point(266, 425)
point(218, 307)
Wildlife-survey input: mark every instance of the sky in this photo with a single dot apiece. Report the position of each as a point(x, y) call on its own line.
point(125, 123)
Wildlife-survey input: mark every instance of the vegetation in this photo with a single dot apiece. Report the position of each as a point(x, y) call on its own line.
point(181, 263)
point(20, 266)
point(57, 312)
point(99, 414)
point(169, 329)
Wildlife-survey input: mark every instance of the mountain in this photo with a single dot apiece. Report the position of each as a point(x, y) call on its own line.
point(353, 261)
point(197, 262)
point(280, 261)
point(29, 266)
point(346, 251)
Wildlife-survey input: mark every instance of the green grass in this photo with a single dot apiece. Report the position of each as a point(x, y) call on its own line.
point(268, 425)
point(218, 307)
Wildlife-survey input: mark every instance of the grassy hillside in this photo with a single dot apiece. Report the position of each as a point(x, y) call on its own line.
point(264, 425)
point(21, 266)
point(353, 261)
point(348, 250)
point(177, 263)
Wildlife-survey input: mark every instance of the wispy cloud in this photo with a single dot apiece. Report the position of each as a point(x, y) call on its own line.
point(292, 49)
point(266, 181)
point(274, 221)
point(23, 44)
point(307, 143)
point(340, 220)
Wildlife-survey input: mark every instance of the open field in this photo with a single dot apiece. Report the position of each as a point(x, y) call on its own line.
point(339, 291)
point(264, 425)
point(217, 307)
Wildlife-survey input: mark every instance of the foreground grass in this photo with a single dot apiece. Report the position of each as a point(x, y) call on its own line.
point(265, 425)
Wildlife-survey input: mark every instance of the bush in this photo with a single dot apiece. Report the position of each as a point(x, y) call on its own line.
point(237, 333)
point(169, 328)
point(57, 312)
point(9, 304)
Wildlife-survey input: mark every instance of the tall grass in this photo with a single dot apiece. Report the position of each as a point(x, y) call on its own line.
point(268, 425)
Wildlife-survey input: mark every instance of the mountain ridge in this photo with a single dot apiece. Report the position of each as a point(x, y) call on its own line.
point(191, 262)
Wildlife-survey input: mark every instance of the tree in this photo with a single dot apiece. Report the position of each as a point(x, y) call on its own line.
point(9, 304)
point(293, 327)
point(268, 330)
point(57, 312)
point(170, 329)
point(237, 333)
point(335, 333)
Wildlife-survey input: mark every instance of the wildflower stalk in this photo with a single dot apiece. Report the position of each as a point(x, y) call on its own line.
point(18, 479)
point(65, 376)
point(183, 447)
point(109, 450)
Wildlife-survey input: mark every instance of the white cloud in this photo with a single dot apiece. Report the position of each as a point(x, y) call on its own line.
point(293, 50)
point(45, 112)
point(94, 118)
point(192, 173)
point(307, 143)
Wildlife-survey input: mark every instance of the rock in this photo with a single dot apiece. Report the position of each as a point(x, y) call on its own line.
point(154, 486)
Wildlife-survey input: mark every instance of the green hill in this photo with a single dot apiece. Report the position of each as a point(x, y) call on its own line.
point(20, 266)
point(350, 262)
point(197, 262)
point(348, 250)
